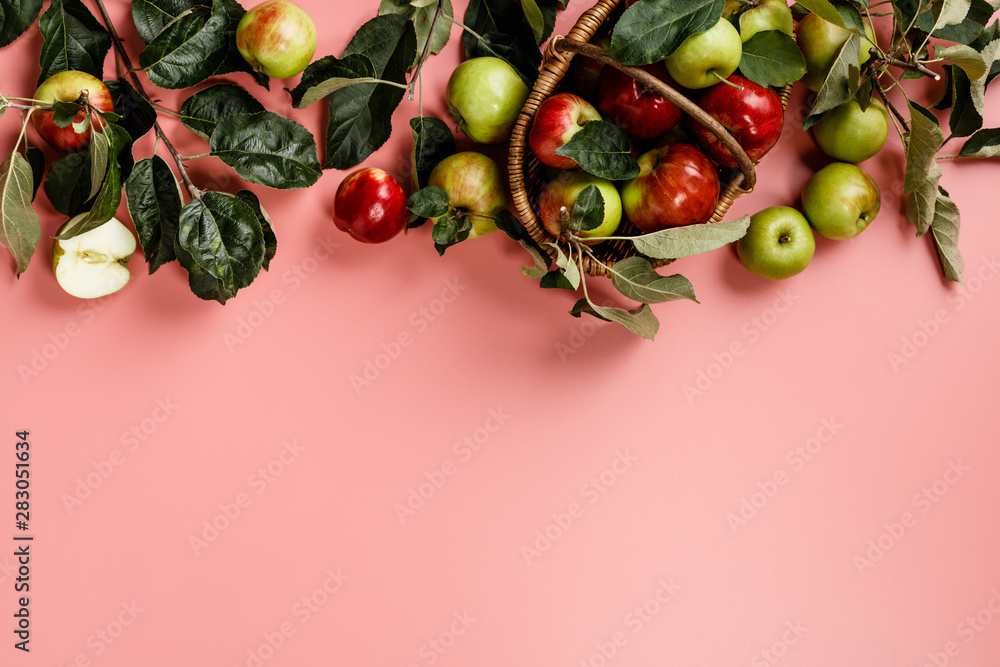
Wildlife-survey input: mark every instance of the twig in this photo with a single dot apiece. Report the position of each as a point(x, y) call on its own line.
point(427, 48)
point(888, 104)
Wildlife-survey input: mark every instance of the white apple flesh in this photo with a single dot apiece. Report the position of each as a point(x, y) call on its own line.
point(95, 263)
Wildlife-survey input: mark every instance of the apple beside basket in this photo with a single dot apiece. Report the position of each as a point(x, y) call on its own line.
point(527, 174)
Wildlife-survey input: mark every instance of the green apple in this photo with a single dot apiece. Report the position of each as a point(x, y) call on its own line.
point(819, 41)
point(558, 196)
point(476, 189)
point(766, 15)
point(95, 263)
point(778, 243)
point(848, 134)
point(707, 58)
point(841, 200)
point(277, 38)
point(485, 96)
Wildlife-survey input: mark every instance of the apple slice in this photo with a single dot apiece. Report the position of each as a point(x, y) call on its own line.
point(95, 263)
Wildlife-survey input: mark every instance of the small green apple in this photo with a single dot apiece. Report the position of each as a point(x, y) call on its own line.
point(841, 200)
point(485, 96)
point(778, 243)
point(95, 263)
point(558, 196)
point(848, 134)
point(707, 58)
point(476, 189)
point(766, 15)
point(819, 40)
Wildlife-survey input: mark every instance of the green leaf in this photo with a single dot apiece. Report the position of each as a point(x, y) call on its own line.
point(676, 242)
point(651, 30)
point(202, 111)
point(825, 9)
point(602, 149)
point(64, 113)
point(985, 143)
point(152, 16)
point(640, 321)
point(110, 196)
point(771, 58)
point(421, 14)
point(429, 202)
point(221, 244)
point(496, 17)
point(921, 202)
point(267, 227)
point(189, 49)
point(568, 267)
point(328, 75)
point(550, 279)
point(841, 82)
point(36, 158)
point(965, 32)
point(524, 60)
point(965, 57)
point(636, 279)
point(267, 149)
point(950, 12)
point(99, 149)
point(588, 210)
point(154, 203)
point(67, 184)
point(137, 115)
point(922, 144)
point(432, 142)
point(945, 230)
point(20, 229)
point(234, 61)
point(533, 15)
point(16, 16)
point(449, 230)
point(360, 117)
point(74, 40)
point(512, 227)
point(967, 111)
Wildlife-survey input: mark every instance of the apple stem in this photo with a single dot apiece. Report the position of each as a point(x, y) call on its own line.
point(723, 79)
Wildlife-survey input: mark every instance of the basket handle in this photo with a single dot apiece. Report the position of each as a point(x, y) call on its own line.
point(749, 175)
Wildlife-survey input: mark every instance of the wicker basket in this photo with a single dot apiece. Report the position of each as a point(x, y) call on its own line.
point(526, 173)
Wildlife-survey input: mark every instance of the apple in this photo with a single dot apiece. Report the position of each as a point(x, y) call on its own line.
point(766, 15)
point(95, 263)
point(705, 59)
point(370, 206)
point(485, 96)
point(841, 200)
point(584, 72)
point(277, 38)
point(819, 40)
point(677, 185)
point(642, 112)
point(557, 119)
point(558, 196)
point(476, 189)
point(69, 86)
point(753, 115)
point(778, 243)
point(848, 134)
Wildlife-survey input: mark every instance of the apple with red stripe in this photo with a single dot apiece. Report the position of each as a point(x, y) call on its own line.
point(752, 113)
point(277, 38)
point(557, 119)
point(677, 185)
point(641, 111)
point(70, 86)
point(370, 206)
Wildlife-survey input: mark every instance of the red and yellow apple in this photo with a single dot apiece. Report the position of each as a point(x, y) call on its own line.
point(558, 197)
point(277, 38)
point(70, 86)
point(677, 185)
point(557, 119)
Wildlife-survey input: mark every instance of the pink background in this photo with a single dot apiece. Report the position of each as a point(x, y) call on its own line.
point(597, 519)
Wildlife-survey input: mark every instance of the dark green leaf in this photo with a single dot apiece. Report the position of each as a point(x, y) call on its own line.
point(501, 17)
point(234, 60)
point(651, 30)
point(110, 196)
point(945, 230)
point(636, 278)
point(449, 230)
point(556, 280)
point(533, 16)
point(432, 142)
point(154, 202)
point(99, 151)
point(422, 15)
point(512, 227)
point(430, 202)
point(771, 58)
point(189, 49)
point(676, 242)
point(524, 60)
point(64, 113)
point(360, 117)
point(20, 229)
point(267, 149)
point(550, 9)
point(967, 111)
point(202, 111)
point(152, 16)
point(74, 40)
point(640, 321)
point(922, 144)
point(602, 149)
point(964, 32)
point(841, 82)
point(965, 57)
point(137, 115)
point(588, 211)
point(328, 75)
point(569, 266)
point(221, 244)
point(985, 143)
point(16, 16)
point(850, 16)
point(67, 184)
point(270, 238)
point(947, 98)
point(825, 9)
point(36, 158)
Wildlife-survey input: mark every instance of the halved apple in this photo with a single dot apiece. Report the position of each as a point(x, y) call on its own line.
point(95, 263)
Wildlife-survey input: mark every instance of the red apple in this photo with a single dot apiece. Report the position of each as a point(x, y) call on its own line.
point(677, 185)
point(753, 115)
point(585, 72)
point(557, 119)
point(370, 206)
point(69, 86)
point(643, 113)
